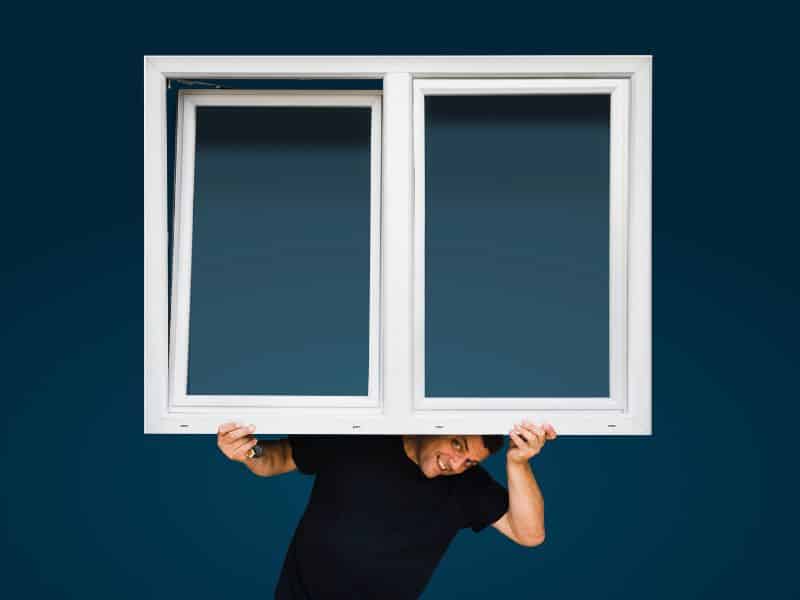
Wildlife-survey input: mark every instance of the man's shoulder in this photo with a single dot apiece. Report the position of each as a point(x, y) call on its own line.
point(476, 477)
point(344, 438)
point(344, 441)
point(315, 451)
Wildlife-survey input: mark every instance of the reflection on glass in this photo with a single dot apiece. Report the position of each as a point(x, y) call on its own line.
point(517, 246)
point(280, 251)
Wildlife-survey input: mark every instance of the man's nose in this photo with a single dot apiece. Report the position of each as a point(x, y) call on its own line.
point(457, 462)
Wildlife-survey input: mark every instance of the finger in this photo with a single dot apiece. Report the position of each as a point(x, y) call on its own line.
point(539, 433)
point(550, 431)
point(226, 427)
point(241, 455)
point(527, 435)
point(240, 432)
point(242, 450)
point(537, 430)
point(240, 443)
point(517, 439)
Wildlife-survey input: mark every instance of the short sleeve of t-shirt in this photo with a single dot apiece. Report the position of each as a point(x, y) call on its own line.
point(311, 453)
point(483, 501)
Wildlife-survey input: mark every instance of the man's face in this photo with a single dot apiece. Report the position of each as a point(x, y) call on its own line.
point(450, 454)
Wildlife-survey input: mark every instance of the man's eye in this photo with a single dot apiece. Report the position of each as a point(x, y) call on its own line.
point(456, 444)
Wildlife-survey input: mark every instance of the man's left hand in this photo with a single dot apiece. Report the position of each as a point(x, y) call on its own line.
point(527, 440)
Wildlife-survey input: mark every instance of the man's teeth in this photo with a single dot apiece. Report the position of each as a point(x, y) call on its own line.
point(441, 464)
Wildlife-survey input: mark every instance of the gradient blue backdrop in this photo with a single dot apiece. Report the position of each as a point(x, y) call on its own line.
point(703, 509)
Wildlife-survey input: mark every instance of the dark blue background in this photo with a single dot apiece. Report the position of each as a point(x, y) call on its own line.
point(703, 509)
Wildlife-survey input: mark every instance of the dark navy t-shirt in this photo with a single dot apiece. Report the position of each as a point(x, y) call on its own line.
point(375, 526)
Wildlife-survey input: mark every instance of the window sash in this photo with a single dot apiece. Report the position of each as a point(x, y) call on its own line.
point(182, 256)
point(619, 92)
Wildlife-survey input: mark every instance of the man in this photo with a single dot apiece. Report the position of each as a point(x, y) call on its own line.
point(384, 509)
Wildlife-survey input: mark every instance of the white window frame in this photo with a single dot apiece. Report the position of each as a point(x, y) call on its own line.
point(400, 407)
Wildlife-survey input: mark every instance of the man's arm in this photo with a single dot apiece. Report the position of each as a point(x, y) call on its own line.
point(524, 521)
point(235, 441)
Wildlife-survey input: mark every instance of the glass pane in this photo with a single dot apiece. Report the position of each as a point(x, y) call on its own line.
point(280, 251)
point(517, 246)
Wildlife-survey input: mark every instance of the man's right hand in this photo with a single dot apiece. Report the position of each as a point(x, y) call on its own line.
point(236, 440)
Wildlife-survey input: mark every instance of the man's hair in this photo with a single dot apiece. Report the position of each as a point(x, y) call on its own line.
point(493, 443)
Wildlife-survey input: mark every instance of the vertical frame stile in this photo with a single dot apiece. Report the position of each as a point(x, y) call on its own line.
point(619, 247)
point(182, 244)
point(418, 128)
point(640, 348)
point(397, 248)
point(375, 253)
point(155, 248)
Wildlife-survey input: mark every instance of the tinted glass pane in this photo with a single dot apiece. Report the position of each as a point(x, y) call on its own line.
point(517, 246)
point(280, 257)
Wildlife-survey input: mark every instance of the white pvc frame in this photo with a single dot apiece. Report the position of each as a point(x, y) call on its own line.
point(397, 412)
point(180, 400)
point(619, 92)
